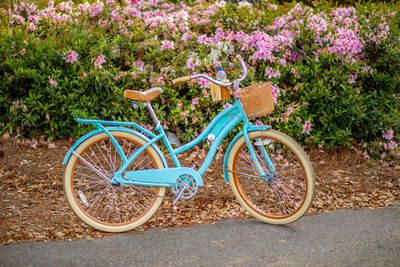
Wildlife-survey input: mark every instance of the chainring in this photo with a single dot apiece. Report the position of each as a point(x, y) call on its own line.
point(191, 186)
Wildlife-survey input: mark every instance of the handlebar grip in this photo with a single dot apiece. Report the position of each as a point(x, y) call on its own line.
point(181, 80)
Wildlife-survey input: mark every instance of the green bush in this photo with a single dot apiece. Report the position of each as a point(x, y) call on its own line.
point(335, 68)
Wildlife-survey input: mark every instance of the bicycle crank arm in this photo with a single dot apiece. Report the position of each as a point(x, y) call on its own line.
point(158, 177)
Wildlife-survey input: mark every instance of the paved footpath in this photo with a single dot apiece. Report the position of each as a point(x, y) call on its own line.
point(340, 238)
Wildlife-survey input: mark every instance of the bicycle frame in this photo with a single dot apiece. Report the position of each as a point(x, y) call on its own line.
point(220, 126)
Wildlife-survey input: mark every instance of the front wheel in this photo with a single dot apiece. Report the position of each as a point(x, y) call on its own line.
point(287, 191)
point(98, 202)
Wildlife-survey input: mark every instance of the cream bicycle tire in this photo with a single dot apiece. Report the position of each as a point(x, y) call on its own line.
point(256, 195)
point(150, 196)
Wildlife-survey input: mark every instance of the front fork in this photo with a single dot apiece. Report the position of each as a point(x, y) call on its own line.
point(260, 144)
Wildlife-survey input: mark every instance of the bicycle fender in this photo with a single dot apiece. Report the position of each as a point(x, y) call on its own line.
point(232, 143)
point(94, 132)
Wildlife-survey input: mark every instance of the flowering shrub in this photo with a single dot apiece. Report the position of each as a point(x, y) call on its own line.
point(334, 70)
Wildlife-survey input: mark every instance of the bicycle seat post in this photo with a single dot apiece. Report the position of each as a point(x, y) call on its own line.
point(153, 114)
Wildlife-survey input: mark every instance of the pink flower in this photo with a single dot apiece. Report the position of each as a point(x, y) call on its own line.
point(71, 57)
point(367, 69)
point(48, 117)
point(275, 93)
point(388, 135)
point(306, 127)
point(186, 36)
point(167, 45)
point(352, 78)
point(289, 111)
point(271, 73)
point(259, 123)
point(147, 127)
point(206, 94)
point(244, 4)
point(182, 27)
point(392, 145)
point(273, 7)
point(195, 101)
point(217, 63)
point(203, 83)
point(100, 60)
point(202, 39)
point(31, 27)
point(365, 154)
point(190, 64)
point(220, 4)
point(53, 82)
point(385, 146)
point(294, 72)
point(227, 105)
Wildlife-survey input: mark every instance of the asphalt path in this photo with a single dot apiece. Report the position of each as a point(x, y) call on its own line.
point(339, 238)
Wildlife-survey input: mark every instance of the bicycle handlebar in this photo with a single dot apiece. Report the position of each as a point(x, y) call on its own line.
point(204, 76)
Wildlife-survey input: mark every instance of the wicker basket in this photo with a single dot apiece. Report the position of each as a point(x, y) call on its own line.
point(257, 99)
point(219, 93)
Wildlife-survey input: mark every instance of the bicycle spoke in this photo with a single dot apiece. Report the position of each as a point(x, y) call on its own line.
point(90, 166)
point(134, 168)
point(93, 178)
point(102, 194)
point(248, 159)
point(127, 202)
point(284, 207)
point(289, 170)
point(141, 190)
point(283, 191)
point(134, 200)
point(86, 188)
point(101, 147)
point(291, 177)
point(290, 190)
point(112, 205)
point(99, 165)
point(99, 177)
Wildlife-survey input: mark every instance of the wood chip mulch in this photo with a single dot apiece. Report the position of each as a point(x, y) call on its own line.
point(33, 208)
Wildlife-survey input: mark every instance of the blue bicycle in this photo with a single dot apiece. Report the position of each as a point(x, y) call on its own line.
point(116, 176)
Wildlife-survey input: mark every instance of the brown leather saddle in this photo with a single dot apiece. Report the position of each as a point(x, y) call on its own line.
point(147, 95)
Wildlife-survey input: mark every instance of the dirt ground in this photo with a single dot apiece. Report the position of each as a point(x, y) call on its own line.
point(33, 208)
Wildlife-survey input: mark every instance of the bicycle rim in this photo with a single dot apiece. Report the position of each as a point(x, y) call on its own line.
point(286, 193)
point(94, 199)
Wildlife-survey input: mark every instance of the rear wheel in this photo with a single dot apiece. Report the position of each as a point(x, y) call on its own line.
point(100, 204)
point(285, 194)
